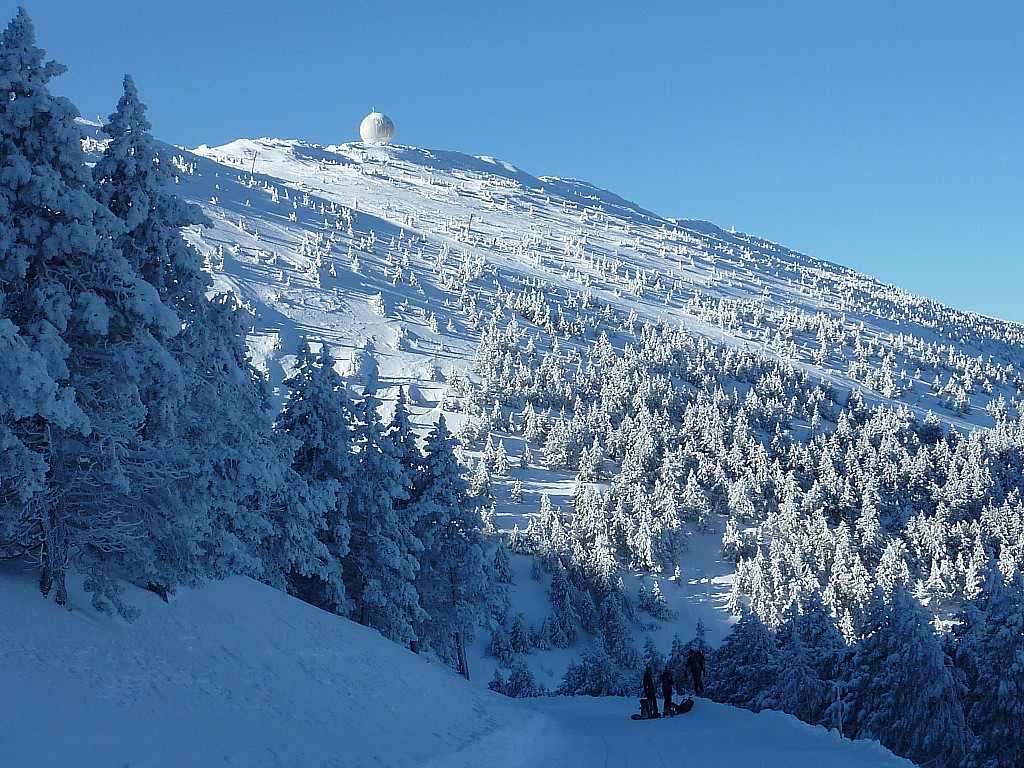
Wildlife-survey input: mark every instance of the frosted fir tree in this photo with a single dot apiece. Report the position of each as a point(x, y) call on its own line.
point(520, 683)
point(992, 650)
point(261, 519)
point(411, 464)
point(454, 578)
point(80, 307)
point(382, 564)
point(318, 416)
point(515, 494)
point(902, 691)
point(562, 628)
point(744, 665)
point(501, 463)
point(134, 183)
point(597, 674)
point(799, 689)
point(42, 162)
point(616, 631)
point(402, 434)
point(502, 566)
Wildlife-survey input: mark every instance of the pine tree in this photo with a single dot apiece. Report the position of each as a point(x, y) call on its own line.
point(382, 563)
point(453, 581)
point(502, 565)
point(85, 316)
point(995, 649)
point(744, 665)
point(564, 616)
point(902, 691)
point(41, 161)
point(596, 675)
point(131, 180)
point(520, 683)
point(318, 416)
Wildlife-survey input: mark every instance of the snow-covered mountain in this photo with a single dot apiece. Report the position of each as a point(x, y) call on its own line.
point(659, 427)
point(399, 258)
point(395, 257)
point(665, 421)
point(362, 245)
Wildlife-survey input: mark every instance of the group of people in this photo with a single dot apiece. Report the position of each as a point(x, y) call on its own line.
point(694, 666)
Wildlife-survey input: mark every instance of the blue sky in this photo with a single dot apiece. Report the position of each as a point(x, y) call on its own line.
point(886, 136)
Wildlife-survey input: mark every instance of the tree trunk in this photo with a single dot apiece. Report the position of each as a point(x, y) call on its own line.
point(460, 649)
point(55, 557)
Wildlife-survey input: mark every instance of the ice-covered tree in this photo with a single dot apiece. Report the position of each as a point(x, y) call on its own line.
point(318, 417)
point(993, 651)
point(520, 682)
point(453, 581)
point(382, 563)
point(745, 665)
point(902, 691)
point(158, 462)
point(83, 313)
point(597, 674)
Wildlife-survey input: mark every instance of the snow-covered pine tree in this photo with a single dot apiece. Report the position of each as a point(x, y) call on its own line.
point(992, 650)
point(453, 581)
point(597, 674)
point(41, 159)
point(81, 308)
point(318, 416)
point(902, 691)
point(744, 665)
point(502, 565)
point(799, 687)
point(382, 564)
point(616, 631)
point(133, 182)
point(564, 618)
point(262, 520)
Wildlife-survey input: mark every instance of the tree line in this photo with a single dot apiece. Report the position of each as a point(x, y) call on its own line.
point(137, 440)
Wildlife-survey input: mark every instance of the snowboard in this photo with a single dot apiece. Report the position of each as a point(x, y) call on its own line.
point(681, 708)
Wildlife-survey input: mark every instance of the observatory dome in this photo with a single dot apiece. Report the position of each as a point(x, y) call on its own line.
point(377, 128)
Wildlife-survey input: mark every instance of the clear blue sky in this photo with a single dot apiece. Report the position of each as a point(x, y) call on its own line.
point(886, 136)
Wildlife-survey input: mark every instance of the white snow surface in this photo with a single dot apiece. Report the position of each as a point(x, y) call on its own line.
point(238, 674)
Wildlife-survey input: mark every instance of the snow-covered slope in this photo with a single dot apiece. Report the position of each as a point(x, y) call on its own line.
point(237, 674)
point(398, 257)
point(389, 249)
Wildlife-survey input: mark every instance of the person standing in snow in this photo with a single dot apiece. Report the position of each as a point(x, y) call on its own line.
point(650, 696)
point(695, 666)
point(667, 684)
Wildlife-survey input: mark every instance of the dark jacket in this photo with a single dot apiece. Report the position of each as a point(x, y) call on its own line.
point(667, 685)
point(649, 691)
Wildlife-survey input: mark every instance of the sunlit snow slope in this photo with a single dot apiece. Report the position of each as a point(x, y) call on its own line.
point(399, 252)
point(238, 674)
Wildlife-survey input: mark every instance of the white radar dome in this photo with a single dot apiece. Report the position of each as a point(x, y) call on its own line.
point(377, 128)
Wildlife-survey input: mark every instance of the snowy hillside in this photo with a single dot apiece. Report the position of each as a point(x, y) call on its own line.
point(238, 674)
point(402, 259)
point(311, 236)
point(460, 278)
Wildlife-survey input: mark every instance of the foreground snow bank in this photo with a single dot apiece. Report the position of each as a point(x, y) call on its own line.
point(237, 674)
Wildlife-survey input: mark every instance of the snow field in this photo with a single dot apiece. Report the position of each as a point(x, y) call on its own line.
point(238, 674)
